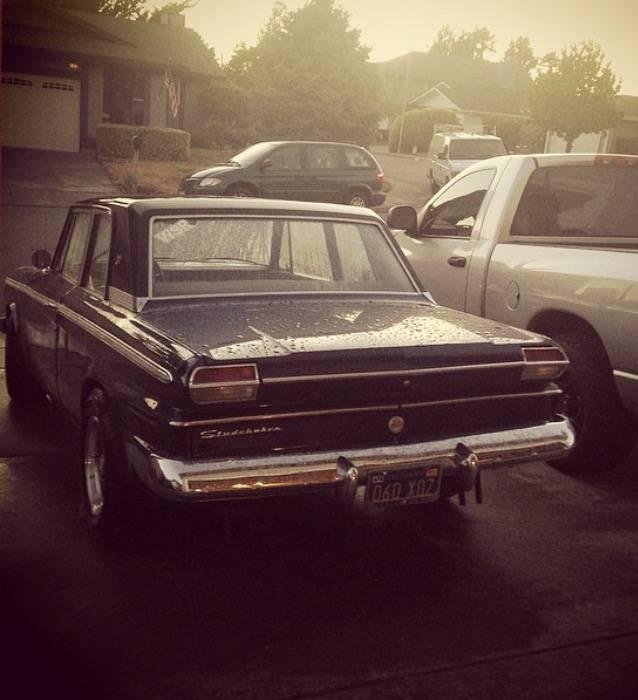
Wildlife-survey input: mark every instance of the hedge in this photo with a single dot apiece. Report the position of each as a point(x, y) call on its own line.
point(156, 143)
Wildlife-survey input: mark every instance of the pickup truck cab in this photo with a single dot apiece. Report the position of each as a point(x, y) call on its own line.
point(548, 243)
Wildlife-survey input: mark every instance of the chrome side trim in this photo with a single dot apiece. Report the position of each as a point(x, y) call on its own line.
point(150, 366)
point(625, 375)
point(32, 294)
point(364, 409)
point(120, 298)
point(392, 372)
point(255, 476)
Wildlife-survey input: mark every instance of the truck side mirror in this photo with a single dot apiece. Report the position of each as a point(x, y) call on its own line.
point(403, 217)
point(41, 259)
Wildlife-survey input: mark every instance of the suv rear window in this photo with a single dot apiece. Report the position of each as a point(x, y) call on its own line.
point(475, 149)
point(356, 158)
point(579, 201)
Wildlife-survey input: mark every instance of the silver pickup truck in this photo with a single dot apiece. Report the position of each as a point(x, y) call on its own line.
point(548, 243)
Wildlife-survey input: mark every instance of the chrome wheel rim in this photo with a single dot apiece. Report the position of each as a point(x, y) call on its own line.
point(94, 466)
point(357, 201)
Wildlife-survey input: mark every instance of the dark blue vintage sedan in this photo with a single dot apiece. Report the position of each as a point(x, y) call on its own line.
point(212, 348)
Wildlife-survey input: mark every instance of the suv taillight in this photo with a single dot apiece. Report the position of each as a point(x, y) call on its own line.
point(380, 178)
point(224, 383)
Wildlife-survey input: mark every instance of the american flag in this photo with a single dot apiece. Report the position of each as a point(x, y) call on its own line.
point(173, 93)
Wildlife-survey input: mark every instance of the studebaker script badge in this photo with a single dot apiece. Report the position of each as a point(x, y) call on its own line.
point(239, 432)
point(396, 425)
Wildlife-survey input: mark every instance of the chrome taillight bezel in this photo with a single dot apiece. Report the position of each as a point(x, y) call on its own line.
point(544, 362)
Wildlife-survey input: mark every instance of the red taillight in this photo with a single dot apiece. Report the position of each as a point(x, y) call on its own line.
point(224, 383)
point(380, 178)
point(544, 363)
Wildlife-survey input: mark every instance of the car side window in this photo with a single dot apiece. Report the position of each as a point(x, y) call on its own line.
point(576, 201)
point(320, 157)
point(99, 260)
point(356, 158)
point(72, 258)
point(455, 211)
point(286, 158)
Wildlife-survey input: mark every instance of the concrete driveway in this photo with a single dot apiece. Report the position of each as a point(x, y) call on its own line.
point(37, 189)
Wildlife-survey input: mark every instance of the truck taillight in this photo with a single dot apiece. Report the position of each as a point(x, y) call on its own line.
point(380, 177)
point(224, 383)
point(544, 363)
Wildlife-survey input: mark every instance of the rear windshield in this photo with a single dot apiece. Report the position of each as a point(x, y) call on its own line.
point(195, 256)
point(475, 149)
point(579, 200)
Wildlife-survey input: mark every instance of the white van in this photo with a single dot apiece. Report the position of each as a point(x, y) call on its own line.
point(452, 152)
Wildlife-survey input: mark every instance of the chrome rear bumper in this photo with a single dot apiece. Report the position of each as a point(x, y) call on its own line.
point(340, 470)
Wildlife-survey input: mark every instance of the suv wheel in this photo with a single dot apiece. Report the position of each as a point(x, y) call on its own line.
point(358, 198)
point(241, 191)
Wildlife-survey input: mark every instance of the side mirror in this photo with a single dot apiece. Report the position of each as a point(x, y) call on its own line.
point(266, 163)
point(404, 218)
point(41, 259)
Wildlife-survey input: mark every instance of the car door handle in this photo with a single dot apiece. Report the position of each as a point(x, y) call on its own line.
point(457, 261)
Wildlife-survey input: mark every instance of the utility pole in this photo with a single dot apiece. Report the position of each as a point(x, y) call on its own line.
point(405, 100)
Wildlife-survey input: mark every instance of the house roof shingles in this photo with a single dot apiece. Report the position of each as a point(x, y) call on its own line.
point(476, 98)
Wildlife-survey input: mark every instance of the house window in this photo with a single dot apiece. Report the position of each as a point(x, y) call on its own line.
point(126, 96)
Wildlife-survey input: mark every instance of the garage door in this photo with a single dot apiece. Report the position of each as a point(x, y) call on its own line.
point(40, 112)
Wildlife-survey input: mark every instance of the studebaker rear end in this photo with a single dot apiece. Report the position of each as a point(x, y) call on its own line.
point(221, 349)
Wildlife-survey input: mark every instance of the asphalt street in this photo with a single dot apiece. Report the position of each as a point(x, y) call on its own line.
point(530, 595)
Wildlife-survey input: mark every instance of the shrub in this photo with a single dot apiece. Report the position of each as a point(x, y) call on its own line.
point(116, 141)
point(418, 129)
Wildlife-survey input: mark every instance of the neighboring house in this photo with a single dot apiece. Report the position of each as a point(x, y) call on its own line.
point(408, 80)
point(474, 105)
point(66, 71)
point(623, 138)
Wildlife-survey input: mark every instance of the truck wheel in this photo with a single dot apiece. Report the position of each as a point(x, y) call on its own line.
point(105, 499)
point(22, 388)
point(241, 190)
point(603, 437)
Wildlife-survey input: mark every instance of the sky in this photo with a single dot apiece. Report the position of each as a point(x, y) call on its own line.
point(393, 27)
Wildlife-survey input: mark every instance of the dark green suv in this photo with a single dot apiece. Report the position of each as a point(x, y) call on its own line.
point(302, 170)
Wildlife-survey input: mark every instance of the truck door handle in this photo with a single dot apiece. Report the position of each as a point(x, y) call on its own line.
point(457, 261)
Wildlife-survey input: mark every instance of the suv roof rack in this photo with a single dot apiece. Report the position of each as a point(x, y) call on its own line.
point(459, 129)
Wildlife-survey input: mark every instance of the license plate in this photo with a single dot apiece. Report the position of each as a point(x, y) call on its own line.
point(404, 486)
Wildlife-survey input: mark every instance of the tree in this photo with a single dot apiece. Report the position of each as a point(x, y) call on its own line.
point(574, 93)
point(471, 46)
point(520, 51)
point(308, 76)
point(225, 115)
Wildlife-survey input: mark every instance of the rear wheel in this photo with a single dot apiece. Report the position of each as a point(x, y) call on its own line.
point(106, 503)
point(358, 198)
point(603, 434)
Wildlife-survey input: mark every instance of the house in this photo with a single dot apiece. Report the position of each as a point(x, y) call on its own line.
point(473, 104)
point(623, 138)
point(65, 71)
point(471, 88)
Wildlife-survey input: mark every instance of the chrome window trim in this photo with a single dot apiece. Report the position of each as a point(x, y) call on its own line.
point(120, 298)
point(626, 375)
point(36, 296)
point(136, 357)
point(394, 372)
point(301, 217)
point(362, 409)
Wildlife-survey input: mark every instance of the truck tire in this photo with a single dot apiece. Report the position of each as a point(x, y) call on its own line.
point(603, 435)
